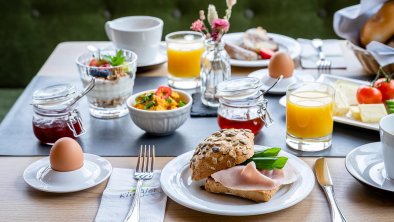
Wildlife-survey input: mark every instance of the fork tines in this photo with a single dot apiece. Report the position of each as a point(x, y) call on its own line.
point(323, 65)
point(147, 154)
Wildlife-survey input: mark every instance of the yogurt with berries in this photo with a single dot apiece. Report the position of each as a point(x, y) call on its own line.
point(114, 72)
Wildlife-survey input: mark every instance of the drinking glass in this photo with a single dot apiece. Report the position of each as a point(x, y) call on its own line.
point(309, 116)
point(184, 50)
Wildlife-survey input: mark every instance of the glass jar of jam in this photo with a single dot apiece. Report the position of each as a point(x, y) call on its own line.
point(56, 114)
point(242, 105)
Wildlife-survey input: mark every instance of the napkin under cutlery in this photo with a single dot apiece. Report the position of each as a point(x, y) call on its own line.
point(331, 49)
point(119, 193)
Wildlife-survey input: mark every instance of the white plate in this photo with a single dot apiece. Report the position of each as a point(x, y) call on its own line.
point(347, 119)
point(365, 163)
point(176, 182)
point(40, 176)
point(161, 57)
point(281, 87)
point(285, 43)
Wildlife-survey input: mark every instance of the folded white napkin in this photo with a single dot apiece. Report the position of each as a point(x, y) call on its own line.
point(119, 194)
point(331, 49)
point(383, 53)
point(349, 21)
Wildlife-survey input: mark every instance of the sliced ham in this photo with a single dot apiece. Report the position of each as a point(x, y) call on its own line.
point(249, 178)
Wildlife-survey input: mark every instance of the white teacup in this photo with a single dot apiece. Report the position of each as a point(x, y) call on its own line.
point(386, 128)
point(140, 34)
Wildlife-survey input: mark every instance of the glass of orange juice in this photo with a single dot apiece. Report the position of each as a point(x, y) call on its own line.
point(184, 51)
point(309, 116)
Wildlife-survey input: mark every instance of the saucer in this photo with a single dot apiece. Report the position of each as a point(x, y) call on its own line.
point(281, 87)
point(41, 176)
point(161, 57)
point(365, 163)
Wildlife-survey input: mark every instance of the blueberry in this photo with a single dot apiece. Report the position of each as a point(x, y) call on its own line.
point(100, 72)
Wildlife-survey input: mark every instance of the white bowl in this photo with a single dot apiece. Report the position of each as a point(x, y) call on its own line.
point(160, 122)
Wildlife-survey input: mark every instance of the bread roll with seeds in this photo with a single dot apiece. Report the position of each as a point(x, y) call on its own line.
point(223, 149)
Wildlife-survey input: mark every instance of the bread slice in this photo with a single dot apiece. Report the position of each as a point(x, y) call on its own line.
point(222, 150)
point(258, 196)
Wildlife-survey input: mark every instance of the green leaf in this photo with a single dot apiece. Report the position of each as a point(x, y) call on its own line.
point(149, 105)
point(181, 103)
point(116, 60)
point(169, 100)
point(268, 163)
point(274, 151)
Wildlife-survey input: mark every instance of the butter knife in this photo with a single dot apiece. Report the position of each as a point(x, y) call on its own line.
point(324, 179)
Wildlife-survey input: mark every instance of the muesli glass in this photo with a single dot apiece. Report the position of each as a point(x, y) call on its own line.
point(114, 84)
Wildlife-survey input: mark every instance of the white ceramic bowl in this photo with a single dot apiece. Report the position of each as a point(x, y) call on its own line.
point(160, 122)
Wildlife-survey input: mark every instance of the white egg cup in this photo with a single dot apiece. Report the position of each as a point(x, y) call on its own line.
point(281, 87)
point(41, 176)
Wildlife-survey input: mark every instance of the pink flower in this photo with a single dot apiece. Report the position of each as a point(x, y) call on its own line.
point(197, 26)
point(222, 25)
point(215, 35)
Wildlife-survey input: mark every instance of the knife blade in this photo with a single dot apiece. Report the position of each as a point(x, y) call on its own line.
point(322, 172)
point(324, 179)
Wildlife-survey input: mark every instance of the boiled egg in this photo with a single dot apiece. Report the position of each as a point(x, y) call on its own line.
point(280, 64)
point(66, 155)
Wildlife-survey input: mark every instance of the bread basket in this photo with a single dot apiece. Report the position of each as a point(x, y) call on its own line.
point(370, 65)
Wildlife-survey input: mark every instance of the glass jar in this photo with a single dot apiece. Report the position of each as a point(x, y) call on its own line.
point(215, 69)
point(242, 105)
point(55, 115)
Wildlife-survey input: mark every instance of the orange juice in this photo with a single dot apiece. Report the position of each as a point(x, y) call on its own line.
point(184, 61)
point(309, 114)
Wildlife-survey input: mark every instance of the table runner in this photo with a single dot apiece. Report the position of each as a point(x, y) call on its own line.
point(121, 137)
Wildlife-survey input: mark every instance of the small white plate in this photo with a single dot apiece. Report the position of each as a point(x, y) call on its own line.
point(285, 43)
point(281, 87)
point(40, 175)
point(176, 182)
point(347, 119)
point(161, 57)
point(365, 163)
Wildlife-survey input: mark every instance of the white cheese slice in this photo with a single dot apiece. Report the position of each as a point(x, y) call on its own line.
point(355, 111)
point(372, 113)
point(341, 105)
point(348, 89)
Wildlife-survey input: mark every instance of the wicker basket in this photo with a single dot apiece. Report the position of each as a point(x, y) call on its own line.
point(366, 59)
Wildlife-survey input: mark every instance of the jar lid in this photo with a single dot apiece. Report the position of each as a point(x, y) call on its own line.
point(239, 88)
point(56, 94)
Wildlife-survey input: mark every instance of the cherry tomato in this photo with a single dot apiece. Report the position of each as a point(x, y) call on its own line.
point(266, 53)
point(368, 95)
point(386, 88)
point(163, 92)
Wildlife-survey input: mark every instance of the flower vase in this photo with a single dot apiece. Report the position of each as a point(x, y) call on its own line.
point(215, 68)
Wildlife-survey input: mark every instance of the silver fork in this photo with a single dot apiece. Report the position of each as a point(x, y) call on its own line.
point(145, 172)
point(323, 63)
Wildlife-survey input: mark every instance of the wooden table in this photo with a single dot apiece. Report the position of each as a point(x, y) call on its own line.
point(19, 202)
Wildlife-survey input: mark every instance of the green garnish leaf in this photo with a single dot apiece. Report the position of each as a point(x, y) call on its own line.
point(181, 103)
point(268, 163)
point(268, 152)
point(144, 98)
point(116, 60)
point(169, 100)
point(149, 105)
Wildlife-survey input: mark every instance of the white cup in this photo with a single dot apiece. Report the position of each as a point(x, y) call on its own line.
point(140, 34)
point(386, 128)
